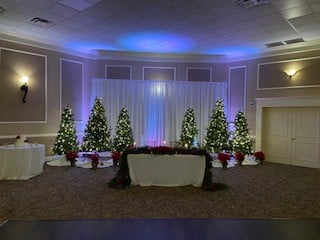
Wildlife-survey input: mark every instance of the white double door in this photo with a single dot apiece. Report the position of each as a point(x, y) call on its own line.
point(290, 135)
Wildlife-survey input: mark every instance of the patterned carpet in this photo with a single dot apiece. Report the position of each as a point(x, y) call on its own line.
point(267, 191)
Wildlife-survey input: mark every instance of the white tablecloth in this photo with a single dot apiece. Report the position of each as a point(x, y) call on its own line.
point(166, 170)
point(21, 162)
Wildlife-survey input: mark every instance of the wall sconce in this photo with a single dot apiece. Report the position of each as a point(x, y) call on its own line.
point(291, 73)
point(24, 88)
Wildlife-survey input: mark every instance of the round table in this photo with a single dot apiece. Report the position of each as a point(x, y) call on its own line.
point(21, 162)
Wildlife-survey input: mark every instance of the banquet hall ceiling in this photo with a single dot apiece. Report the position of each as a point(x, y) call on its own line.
point(217, 29)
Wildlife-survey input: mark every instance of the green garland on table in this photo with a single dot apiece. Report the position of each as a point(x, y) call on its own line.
point(122, 178)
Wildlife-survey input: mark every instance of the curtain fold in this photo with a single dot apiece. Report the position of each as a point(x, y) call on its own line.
point(157, 108)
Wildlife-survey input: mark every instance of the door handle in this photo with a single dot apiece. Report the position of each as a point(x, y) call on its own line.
point(293, 138)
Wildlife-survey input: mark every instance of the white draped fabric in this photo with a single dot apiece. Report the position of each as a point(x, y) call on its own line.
point(157, 108)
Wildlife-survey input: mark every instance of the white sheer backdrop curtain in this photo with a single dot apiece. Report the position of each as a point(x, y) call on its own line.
point(157, 108)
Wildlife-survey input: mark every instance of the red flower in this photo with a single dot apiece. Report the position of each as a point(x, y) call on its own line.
point(71, 156)
point(116, 155)
point(95, 158)
point(223, 157)
point(259, 155)
point(239, 156)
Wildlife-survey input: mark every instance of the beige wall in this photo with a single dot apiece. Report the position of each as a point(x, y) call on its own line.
point(275, 73)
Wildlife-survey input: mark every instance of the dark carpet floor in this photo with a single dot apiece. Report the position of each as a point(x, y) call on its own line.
point(267, 191)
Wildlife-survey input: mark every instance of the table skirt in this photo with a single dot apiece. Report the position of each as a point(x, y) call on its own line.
point(166, 170)
point(21, 162)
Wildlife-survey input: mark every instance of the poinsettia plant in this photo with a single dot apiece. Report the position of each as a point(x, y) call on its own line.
point(71, 156)
point(239, 156)
point(259, 155)
point(94, 158)
point(224, 157)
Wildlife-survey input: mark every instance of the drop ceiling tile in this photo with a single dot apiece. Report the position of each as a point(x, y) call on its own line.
point(260, 11)
point(246, 25)
point(16, 16)
point(62, 10)
point(72, 24)
point(316, 7)
point(312, 1)
point(286, 4)
point(311, 35)
point(39, 4)
point(79, 5)
point(254, 30)
point(27, 10)
point(268, 19)
point(297, 11)
point(282, 32)
point(304, 20)
point(261, 36)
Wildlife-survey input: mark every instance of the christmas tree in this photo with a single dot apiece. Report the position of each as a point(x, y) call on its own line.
point(124, 136)
point(217, 137)
point(241, 139)
point(189, 131)
point(66, 141)
point(97, 133)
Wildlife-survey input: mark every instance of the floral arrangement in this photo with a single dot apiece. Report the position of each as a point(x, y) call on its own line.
point(94, 160)
point(259, 155)
point(116, 156)
point(239, 156)
point(122, 178)
point(71, 156)
point(224, 157)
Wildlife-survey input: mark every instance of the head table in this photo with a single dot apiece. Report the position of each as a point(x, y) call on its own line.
point(21, 162)
point(166, 170)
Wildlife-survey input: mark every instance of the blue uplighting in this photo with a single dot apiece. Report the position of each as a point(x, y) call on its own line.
point(233, 51)
point(157, 42)
point(90, 46)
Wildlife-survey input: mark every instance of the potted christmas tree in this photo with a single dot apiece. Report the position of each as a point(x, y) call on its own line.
point(189, 130)
point(97, 133)
point(123, 138)
point(66, 140)
point(217, 137)
point(241, 141)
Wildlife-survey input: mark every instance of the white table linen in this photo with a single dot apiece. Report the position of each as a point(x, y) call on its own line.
point(21, 162)
point(166, 170)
